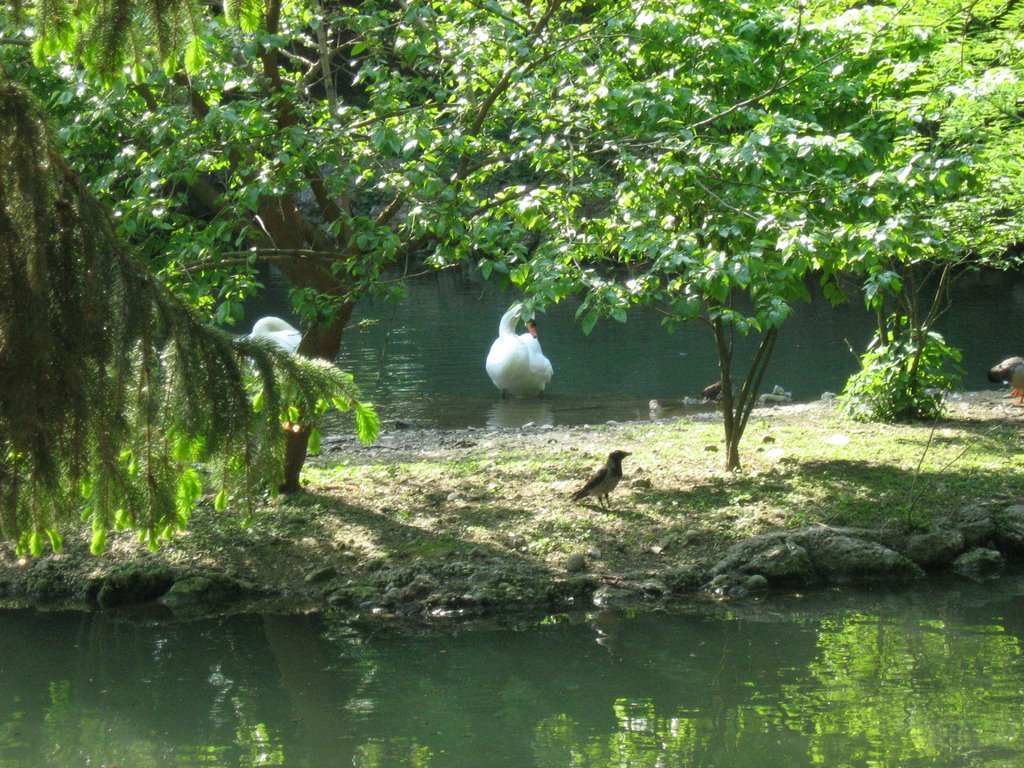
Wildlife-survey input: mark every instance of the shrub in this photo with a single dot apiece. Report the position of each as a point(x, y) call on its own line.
point(903, 380)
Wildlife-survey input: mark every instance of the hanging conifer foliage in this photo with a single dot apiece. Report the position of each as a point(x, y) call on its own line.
point(110, 36)
point(112, 393)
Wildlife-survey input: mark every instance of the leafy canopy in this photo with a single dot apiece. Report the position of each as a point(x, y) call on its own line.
point(705, 160)
point(111, 390)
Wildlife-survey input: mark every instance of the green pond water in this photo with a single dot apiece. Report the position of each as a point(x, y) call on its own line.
point(423, 360)
point(931, 677)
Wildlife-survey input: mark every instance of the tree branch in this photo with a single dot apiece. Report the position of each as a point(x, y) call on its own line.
point(505, 81)
point(752, 385)
point(204, 192)
point(325, 65)
point(200, 108)
point(391, 210)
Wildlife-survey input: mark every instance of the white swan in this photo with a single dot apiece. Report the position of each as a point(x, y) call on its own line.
point(516, 364)
point(283, 334)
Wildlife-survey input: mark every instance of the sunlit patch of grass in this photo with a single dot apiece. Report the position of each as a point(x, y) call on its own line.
point(566, 531)
point(800, 468)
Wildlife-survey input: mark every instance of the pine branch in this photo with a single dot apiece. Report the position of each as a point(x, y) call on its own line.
point(110, 388)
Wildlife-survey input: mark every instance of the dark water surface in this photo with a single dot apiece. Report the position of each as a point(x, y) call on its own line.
point(925, 678)
point(423, 361)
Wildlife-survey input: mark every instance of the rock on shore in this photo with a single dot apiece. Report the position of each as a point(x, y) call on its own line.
point(973, 543)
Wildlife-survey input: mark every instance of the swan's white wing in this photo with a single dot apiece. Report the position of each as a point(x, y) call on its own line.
point(540, 366)
point(282, 333)
point(287, 340)
point(508, 363)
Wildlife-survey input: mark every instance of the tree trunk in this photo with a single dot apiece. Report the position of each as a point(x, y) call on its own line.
point(732, 452)
point(324, 342)
point(321, 341)
point(736, 409)
point(724, 345)
point(295, 448)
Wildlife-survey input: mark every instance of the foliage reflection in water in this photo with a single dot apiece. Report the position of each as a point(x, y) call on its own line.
point(932, 679)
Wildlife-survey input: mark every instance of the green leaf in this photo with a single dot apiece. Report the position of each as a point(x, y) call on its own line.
point(220, 502)
point(99, 541)
point(195, 55)
point(182, 448)
point(367, 423)
point(35, 544)
point(188, 491)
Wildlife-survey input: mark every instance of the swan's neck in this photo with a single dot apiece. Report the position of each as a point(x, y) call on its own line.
point(508, 322)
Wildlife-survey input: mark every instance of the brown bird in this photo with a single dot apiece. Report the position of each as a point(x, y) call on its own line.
point(1011, 371)
point(604, 480)
point(712, 392)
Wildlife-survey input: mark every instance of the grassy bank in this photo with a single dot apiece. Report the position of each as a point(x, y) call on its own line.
point(432, 494)
point(802, 465)
point(427, 497)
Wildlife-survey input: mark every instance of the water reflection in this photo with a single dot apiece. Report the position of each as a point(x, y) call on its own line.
point(930, 678)
point(515, 412)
